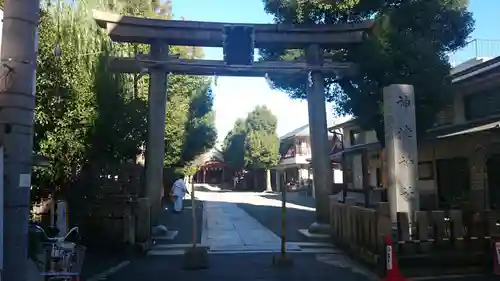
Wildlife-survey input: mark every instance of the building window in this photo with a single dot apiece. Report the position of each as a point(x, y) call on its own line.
point(453, 182)
point(287, 150)
point(355, 137)
point(482, 104)
point(303, 148)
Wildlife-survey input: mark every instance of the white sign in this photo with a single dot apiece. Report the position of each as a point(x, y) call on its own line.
point(62, 217)
point(25, 180)
point(388, 250)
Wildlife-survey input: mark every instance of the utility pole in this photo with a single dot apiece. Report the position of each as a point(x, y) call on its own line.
point(17, 103)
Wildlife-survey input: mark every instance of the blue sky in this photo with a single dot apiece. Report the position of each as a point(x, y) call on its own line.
point(235, 96)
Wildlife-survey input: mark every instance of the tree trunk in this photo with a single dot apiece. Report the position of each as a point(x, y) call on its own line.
point(268, 181)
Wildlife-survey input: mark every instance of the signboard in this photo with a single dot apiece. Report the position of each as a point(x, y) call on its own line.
point(388, 257)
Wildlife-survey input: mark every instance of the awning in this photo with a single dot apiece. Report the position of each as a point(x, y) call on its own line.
point(463, 130)
point(337, 156)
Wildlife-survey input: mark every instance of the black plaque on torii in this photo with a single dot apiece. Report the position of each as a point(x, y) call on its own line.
point(238, 43)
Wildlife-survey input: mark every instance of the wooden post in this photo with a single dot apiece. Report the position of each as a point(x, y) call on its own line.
point(366, 180)
point(223, 175)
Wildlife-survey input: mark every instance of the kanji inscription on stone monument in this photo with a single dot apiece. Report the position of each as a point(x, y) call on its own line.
point(404, 132)
point(403, 101)
point(407, 193)
point(401, 149)
point(405, 161)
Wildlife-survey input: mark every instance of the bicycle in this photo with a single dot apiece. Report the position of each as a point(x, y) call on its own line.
point(60, 259)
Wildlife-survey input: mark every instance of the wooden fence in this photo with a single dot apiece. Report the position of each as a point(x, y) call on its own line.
point(441, 241)
point(110, 222)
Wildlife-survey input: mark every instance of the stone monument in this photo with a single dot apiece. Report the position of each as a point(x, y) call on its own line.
point(401, 149)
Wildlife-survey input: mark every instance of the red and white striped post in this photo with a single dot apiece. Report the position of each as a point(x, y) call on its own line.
point(393, 273)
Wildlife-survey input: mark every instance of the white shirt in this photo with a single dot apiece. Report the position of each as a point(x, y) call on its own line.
point(179, 188)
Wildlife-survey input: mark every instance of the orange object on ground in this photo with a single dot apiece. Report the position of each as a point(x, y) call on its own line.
point(393, 273)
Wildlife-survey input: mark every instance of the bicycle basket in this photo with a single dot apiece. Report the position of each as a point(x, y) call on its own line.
point(61, 259)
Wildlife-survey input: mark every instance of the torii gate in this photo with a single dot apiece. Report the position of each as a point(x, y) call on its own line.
point(162, 33)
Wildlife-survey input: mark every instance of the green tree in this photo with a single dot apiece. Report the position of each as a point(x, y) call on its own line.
point(234, 146)
point(409, 44)
point(200, 128)
point(262, 142)
point(189, 110)
point(91, 120)
point(117, 134)
point(64, 112)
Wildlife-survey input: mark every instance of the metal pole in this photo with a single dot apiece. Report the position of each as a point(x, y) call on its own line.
point(283, 222)
point(193, 214)
point(17, 102)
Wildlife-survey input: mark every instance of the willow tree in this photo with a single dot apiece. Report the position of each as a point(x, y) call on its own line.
point(89, 119)
point(65, 111)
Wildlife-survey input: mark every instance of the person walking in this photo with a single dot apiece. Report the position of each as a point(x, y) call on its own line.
point(179, 190)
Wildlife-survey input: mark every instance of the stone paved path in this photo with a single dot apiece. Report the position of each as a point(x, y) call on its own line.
point(241, 248)
point(229, 227)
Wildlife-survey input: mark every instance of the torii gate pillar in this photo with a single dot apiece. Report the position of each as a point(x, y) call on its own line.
point(321, 164)
point(155, 146)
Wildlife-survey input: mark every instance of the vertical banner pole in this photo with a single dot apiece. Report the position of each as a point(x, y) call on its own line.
point(193, 213)
point(1, 209)
point(283, 222)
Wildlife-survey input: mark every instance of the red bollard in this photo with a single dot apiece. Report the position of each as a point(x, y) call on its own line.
point(496, 257)
point(393, 273)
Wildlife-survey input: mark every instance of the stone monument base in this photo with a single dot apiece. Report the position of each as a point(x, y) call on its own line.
point(319, 228)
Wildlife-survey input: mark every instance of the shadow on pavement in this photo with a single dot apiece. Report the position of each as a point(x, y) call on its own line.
point(296, 198)
point(97, 261)
point(183, 223)
point(241, 267)
point(271, 216)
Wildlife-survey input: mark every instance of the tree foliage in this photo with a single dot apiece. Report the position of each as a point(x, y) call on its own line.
point(253, 142)
point(409, 44)
point(262, 143)
point(234, 145)
point(91, 120)
point(200, 130)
